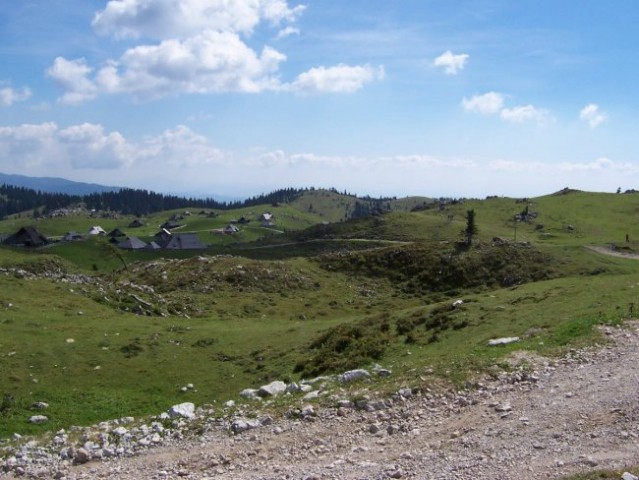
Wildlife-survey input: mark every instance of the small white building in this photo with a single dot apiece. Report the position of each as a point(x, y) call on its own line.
point(96, 230)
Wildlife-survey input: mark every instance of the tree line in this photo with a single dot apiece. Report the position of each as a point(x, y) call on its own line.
point(126, 201)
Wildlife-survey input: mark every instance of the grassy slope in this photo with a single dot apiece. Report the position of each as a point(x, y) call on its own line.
point(251, 329)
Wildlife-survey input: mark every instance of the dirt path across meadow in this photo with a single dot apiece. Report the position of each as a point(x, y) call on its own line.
point(554, 418)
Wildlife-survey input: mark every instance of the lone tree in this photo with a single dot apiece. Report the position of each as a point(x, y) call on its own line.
point(471, 227)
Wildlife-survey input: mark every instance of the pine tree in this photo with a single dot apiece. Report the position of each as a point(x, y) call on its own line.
point(471, 227)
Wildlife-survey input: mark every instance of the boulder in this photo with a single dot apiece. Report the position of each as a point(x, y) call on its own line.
point(354, 375)
point(272, 389)
point(186, 410)
point(240, 425)
point(249, 393)
point(502, 341)
point(38, 419)
point(81, 456)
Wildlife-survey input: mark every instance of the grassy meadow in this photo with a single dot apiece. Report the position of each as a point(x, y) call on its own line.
point(303, 299)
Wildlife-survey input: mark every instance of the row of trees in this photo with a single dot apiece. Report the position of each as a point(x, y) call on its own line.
point(134, 201)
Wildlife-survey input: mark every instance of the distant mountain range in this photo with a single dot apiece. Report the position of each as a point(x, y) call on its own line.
point(55, 185)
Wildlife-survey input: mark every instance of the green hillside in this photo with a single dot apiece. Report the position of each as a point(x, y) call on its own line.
point(98, 332)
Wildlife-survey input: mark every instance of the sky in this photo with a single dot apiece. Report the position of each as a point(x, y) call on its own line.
point(440, 98)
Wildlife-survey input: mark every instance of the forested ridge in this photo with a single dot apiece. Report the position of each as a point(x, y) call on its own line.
point(126, 201)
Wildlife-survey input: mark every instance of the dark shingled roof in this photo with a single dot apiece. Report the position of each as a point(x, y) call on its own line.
point(26, 237)
point(132, 243)
point(185, 241)
point(116, 232)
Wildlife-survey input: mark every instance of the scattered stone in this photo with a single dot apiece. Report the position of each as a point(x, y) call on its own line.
point(240, 425)
point(394, 473)
point(502, 341)
point(503, 407)
point(629, 476)
point(381, 372)
point(186, 410)
point(38, 419)
point(272, 389)
point(81, 456)
point(39, 406)
point(354, 375)
point(311, 395)
point(249, 393)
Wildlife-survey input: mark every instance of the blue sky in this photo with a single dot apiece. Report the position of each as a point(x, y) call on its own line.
point(412, 97)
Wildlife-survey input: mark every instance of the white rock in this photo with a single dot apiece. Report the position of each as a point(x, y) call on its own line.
point(38, 419)
point(249, 393)
point(503, 407)
point(293, 388)
point(629, 476)
point(272, 389)
point(186, 410)
point(353, 375)
point(502, 341)
point(311, 395)
point(240, 425)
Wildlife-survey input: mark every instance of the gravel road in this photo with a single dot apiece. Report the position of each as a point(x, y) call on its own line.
point(550, 419)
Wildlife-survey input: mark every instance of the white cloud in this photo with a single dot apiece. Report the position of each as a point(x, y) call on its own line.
point(525, 113)
point(9, 96)
point(28, 145)
point(287, 32)
point(451, 63)
point(492, 103)
point(338, 79)
point(209, 62)
point(87, 146)
point(163, 19)
point(180, 159)
point(488, 103)
point(180, 147)
point(200, 51)
point(591, 114)
point(72, 75)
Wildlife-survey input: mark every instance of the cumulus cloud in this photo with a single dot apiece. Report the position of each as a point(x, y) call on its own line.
point(200, 49)
point(287, 32)
point(182, 147)
point(493, 103)
point(90, 147)
point(211, 62)
point(72, 76)
point(163, 19)
point(488, 103)
point(9, 96)
point(525, 113)
point(591, 114)
point(338, 79)
point(451, 63)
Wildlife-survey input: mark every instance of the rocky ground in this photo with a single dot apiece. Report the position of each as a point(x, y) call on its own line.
point(545, 420)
